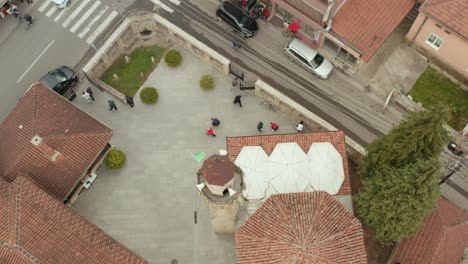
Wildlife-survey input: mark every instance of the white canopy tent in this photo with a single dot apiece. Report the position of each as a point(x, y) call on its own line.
point(253, 162)
point(288, 168)
point(326, 164)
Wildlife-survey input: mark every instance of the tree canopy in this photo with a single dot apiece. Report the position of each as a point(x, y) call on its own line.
point(401, 173)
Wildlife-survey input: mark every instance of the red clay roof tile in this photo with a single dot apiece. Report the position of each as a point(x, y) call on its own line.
point(46, 231)
point(217, 170)
point(452, 13)
point(366, 24)
point(442, 238)
point(304, 140)
point(302, 228)
point(78, 137)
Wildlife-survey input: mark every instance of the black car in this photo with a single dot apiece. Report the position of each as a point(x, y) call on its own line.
point(237, 18)
point(61, 80)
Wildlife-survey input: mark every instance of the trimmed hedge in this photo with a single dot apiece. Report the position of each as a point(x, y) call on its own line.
point(149, 95)
point(115, 159)
point(207, 82)
point(173, 58)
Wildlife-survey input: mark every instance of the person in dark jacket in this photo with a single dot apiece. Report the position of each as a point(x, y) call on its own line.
point(112, 105)
point(259, 126)
point(90, 92)
point(237, 100)
point(215, 121)
point(129, 100)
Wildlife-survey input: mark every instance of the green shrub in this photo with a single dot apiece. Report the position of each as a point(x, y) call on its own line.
point(173, 58)
point(149, 95)
point(115, 159)
point(207, 82)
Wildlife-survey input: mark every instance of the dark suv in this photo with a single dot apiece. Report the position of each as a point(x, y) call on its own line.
point(237, 18)
point(61, 80)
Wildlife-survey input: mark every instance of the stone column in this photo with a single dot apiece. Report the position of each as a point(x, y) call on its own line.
point(224, 216)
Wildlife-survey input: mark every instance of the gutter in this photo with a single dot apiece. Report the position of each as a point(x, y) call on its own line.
point(328, 17)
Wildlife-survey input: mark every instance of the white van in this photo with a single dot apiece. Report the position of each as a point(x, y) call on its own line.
point(309, 58)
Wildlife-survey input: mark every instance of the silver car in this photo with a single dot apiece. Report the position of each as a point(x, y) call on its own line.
point(62, 3)
point(309, 58)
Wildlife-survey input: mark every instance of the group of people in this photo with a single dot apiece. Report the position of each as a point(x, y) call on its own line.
point(274, 126)
point(88, 95)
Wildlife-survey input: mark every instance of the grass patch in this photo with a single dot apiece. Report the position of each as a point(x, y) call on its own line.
point(130, 79)
point(432, 87)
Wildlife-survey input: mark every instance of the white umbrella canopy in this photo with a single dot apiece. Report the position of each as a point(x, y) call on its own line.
point(288, 168)
point(252, 161)
point(326, 164)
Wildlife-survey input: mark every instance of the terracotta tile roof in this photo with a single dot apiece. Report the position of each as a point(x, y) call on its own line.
point(452, 13)
point(366, 24)
point(217, 170)
point(304, 140)
point(442, 238)
point(42, 229)
point(63, 127)
point(301, 228)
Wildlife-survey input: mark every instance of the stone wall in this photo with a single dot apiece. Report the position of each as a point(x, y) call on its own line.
point(285, 104)
point(147, 30)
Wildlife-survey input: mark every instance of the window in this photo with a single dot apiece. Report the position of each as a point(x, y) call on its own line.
point(297, 55)
point(434, 41)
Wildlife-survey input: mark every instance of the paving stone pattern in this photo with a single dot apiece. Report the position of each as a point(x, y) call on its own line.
point(149, 204)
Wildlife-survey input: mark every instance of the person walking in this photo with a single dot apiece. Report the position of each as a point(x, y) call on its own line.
point(215, 121)
point(87, 97)
point(300, 126)
point(259, 126)
point(129, 100)
point(112, 105)
point(210, 132)
point(90, 91)
point(237, 100)
point(29, 1)
point(274, 126)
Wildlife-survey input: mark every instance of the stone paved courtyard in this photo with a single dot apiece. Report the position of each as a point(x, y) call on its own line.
point(149, 204)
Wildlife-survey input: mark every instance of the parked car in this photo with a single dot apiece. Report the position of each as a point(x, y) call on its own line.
point(309, 58)
point(237, 18)
point(61, 80)
point(62, 3)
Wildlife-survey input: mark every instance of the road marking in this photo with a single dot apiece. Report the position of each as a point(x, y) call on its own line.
point(84, 17)
point(64, 10)
point(51, 11)
point(35, 61)
point(73, 15)
point(101, 27)
point(175, 2)
point(95, 19)
point(44, 5)
point(163, 6)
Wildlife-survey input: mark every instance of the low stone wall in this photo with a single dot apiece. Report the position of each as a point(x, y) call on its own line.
point(285, 104)
point(147, 30)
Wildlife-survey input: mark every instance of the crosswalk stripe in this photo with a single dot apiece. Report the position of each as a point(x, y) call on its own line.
point(60, 14)
point(95, 19)
point(84, 17)
point(175, 2)
point(44, 5)
point(73, 15)
point(101, 27)
point(51, 11)
point(163, 6)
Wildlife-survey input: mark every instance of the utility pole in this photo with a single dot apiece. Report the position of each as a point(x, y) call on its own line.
point(446, 177)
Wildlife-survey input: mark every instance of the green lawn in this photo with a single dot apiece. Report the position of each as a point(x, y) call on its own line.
point(130, 79)
point(432, 87)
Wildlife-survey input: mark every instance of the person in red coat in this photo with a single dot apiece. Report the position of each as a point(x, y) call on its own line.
point(274, 126)
point(210, 132)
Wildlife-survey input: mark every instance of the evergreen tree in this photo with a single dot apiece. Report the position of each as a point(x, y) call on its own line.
point(420, 135)
point(400, 175)
point(396, 201)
